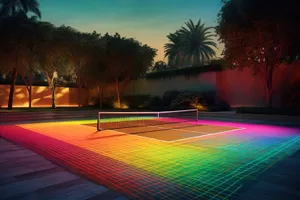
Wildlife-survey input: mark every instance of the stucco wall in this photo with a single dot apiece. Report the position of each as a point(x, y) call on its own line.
point(41, 96)
point(157, 87)
point(237, 88)
point(242, 88)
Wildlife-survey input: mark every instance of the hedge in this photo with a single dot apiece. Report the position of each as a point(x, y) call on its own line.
point(186, 71)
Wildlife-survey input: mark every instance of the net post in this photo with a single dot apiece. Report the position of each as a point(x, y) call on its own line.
point(98, 122)
point(157, 114)
point(197, 115)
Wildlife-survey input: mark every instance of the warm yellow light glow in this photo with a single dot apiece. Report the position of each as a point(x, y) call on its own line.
point(25, 105)
point(48, 97)
point(41, 97)
point(20, 96)
point(198, 106)
point(65, 90)
point(123, 105)
point(59, 95)
point(40, 90)
point(34, 101)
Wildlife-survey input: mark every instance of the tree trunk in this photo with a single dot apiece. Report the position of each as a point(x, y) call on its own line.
point(79, 92)
point(12, 89)
point(269, 87)
point(118, 93)
point(30, 90)
point(53, 98)
point(100, 93)
point(52, 85)
point(30, 95)
point(100, 98)
point(269, 99)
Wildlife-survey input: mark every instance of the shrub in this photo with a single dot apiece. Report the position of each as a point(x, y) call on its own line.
point(155, 103)
point(107, 103)
point(206, 101)
point(169, 96)
point(136, 101)
point(291, 96)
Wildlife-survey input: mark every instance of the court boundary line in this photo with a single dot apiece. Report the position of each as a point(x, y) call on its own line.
point(216, 133)
point(172, 141)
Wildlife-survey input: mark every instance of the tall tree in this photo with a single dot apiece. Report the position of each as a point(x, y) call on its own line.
point(173, 50)
point(14, 12)
point(53, 57)
point(15, 34)
point(31, 55)
point(80, 48)
point(11, 7)
point(96, 73)
point(125, 59)
point(260, 35)
point(190, 45)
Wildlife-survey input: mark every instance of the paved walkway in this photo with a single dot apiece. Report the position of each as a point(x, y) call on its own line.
point(28, 176)
point(279, 182)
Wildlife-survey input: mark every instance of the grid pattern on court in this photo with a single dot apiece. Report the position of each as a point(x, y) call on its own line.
point(117, 120)
point(211, 168)
point(172, 131)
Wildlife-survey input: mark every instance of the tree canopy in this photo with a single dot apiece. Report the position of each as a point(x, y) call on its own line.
point(124, 59)
point(260, 35)
point(10, 7)
point(191, 45)
point(15, 21)
point(159, 65)
point(64, 53)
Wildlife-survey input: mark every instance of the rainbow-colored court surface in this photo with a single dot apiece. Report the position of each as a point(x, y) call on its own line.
point(204, 160)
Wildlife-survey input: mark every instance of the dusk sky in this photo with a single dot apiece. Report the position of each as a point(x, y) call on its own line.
point(148, 21)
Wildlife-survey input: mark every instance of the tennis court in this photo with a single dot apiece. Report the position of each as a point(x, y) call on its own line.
point(161, 155)
point(169, 126)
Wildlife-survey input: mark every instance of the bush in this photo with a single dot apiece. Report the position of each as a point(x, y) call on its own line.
point(154, 103)
point(107, 103)
point(291, 96)
point(201, 100)
point(186, 100)
point(135, 101)
point(169, 96)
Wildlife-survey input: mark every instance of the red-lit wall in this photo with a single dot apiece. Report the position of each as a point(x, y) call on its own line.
point(237, 88)
point(241, 88)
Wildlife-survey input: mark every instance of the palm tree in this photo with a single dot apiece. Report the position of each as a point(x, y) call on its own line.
point(173, 49)
point(11, 7)
point(191, 45)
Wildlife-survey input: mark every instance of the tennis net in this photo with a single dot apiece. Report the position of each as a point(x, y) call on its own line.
point(118, 120)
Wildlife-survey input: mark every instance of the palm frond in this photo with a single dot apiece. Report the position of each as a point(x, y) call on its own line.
point(192, 44)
